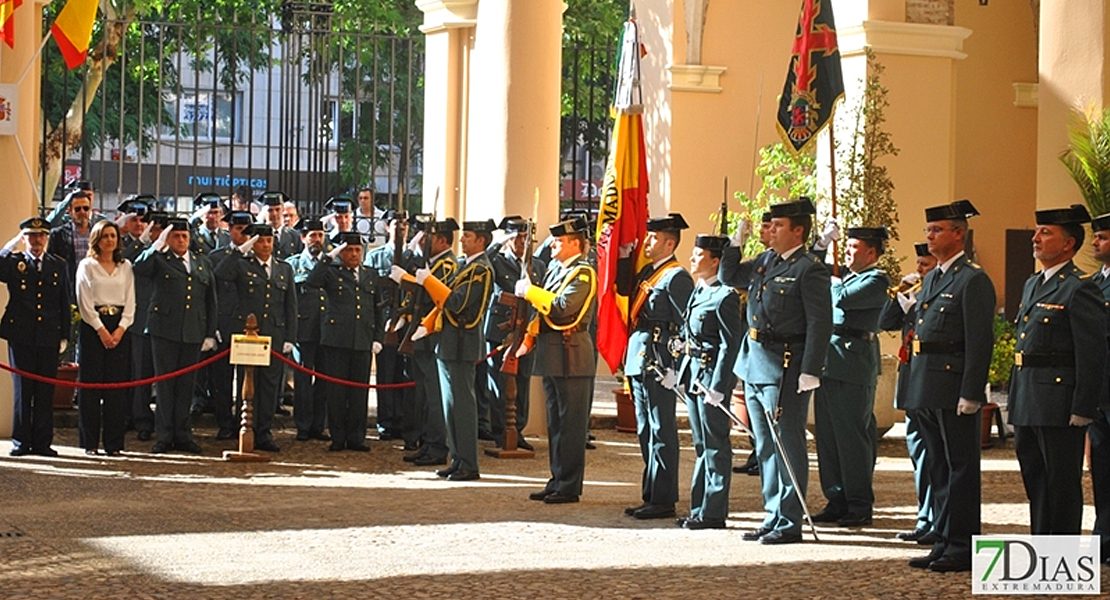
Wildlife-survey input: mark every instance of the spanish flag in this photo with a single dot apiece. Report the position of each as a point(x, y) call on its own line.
point(622, 216)
point(7, 25)
point(73, 30)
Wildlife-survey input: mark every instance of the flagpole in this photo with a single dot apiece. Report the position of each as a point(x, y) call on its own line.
point(832, 194)
point(755, 138)
point(34, 57)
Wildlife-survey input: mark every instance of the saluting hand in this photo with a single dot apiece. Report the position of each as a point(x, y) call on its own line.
point(247, 245)
point(163, 239)
point(336, 250)
point(14, 242)
point(144, 237)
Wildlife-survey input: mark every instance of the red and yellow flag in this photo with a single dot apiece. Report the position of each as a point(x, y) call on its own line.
point(622, 216)
point(73, 30)
point(7, 24)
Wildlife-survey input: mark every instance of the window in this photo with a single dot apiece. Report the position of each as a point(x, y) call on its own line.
point(206, 115)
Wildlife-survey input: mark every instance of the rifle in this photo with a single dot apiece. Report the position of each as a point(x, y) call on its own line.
point(724, 210)
point(407, 343)
point(398, 258)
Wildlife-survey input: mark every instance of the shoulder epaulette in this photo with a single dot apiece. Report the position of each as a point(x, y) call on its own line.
point(974, 265)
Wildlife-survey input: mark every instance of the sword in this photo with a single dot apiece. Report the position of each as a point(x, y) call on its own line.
point(790, 472)
point(700, 388)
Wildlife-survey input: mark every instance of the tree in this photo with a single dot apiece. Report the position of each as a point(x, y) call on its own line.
point(1087, 157)
point(784, 176)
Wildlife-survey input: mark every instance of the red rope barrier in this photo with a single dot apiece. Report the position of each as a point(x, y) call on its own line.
point(115, 385)
point(365, 386)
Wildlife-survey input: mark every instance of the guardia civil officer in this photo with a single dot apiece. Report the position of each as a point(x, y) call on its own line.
point(36, 324)
point(844, 404)
point(711, 329)
point(461, 343)
point(310, 400)
point(349, 338)
point(1056, 380)
point(392, 367)
point(952, 345)
point(1099, 430)
point(899, 315)
point(208, 231)
point(181, 322)
point(265, 288)
point(287, 241)
point(782, 357)
point(565, 355)
point(661, 293)
point(221, 378)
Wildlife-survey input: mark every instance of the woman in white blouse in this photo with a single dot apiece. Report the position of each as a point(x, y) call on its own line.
point(106, 300)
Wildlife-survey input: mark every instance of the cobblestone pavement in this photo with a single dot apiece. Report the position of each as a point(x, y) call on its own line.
point(314, 524)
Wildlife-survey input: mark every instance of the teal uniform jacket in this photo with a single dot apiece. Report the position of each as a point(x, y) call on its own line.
point(1064, 321)
point(893, 318)
point(312, 302)
point(204, 241)
point(857, 302)
point(955, 316)
point(183, 304)
point(658, 320)
point(273, 300)
point(350, 320)
point(789, 305)
point(287, 242)
point(572, 355)
point(462, 339)
point(380, 258)
point(711, 329)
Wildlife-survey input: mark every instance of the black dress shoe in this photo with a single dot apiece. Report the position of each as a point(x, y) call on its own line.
point(559, 498)
point(590, 446)
point(267, 446)
point(320, 436)
point(428, 460)
point(302, 436)
point(190, 447)
point(779, 537)
point(754, 471)
point(913, 535)
point(226, 434)
point(851, 520)
point(699, 523)
point(336, 447)
point(539, 496)
point(412, 457)
point(950, 564)
point(410, 447)
point(923, 562)
point(144, 436)
point(929, 539)
point(755, 534)
point(450, 470)
point(161, 448)
point(21, 451)
point(91, 452)
point(358, 447)
point(281, 410)
point(655, 511)
point(681, 521)
point(522, 444)
point(466, 476)
point(196, 411)
point(630, 510)
point(828, 515)
point(114, 453)
point(486, 435)
point(385, 436)
point(47, 452)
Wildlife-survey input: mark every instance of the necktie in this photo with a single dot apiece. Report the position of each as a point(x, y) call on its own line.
point(38, 264)
point(1038, 282)
point(184, 263)
point(266, 269)
point(777, 260)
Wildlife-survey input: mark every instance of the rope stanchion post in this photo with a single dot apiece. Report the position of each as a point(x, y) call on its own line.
point(246, 451)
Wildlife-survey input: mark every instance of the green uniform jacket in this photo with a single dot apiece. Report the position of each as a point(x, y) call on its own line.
point(956, 309)
point(659, 318)
point(350, 320)
point(561, 354)
point(1064, 318)
point(462, 337)
point(788, 300)
point(894, 319)
point(711, 332)
point(273, 300)
point(182, 304)
point(311, 302)
point(857, 302)
point(1103, 284)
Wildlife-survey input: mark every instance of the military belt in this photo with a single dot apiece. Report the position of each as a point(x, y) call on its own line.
point(767, 337)
point(648, 325)
point(704, 356)
point(1041, 360)
point(852, 332)
point(109, 310)
point(920, 347)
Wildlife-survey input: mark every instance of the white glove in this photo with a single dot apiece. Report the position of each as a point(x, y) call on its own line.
point(416, 242)
point(287, 348)
point(247, 245)
point(396, 274)
point(966, 407)
point(376, 347)
point(219, 338)
point(668, 379)
point(807, 382)
point(14, 242)
point(328, 221)
point(421, 332)
point(144, 237)
point(626, 250)
point(199, 213)
point(62, 345)
point(522, 286)
point(713, 397)
point(123, 218)
point(163, 239)
point(421, 275)
point(830, 233)
point(911, 279)
point(906, 301)
point(400, 323)
point(743, 232)
point(500, 236)
point(834, 280)
point(208, 345)
point(681, 390)
point(336, 250)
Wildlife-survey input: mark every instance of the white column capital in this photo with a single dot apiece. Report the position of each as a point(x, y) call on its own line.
point(695, 78)
point(911, 39)
point(440, 15)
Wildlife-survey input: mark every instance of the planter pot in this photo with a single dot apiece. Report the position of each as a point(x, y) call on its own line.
point(64, 394)
point(885, 413)
point(626, 410)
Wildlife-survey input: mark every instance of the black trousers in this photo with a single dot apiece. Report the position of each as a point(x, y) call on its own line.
point(33, 405)
point(142, 360)
point(1099, 432)
point(1051, 460)
point(310, 395)
point(347, 405)
point(391, 369)
point(102, 411)
point(952, 458)
point(175, 395)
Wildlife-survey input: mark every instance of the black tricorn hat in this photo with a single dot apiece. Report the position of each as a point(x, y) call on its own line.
point(960, 209)
point(569, 227)
point(209, 198)
point(714, 243)
point(1101, 223)
point(869, 233)
point(273, 198)
point(486, 226)
point(238, 217)
point(138, 205)
point(767, 216)
point(396, 214)
point(798, 208)
point(513, 224)
point(178, 223)
point(259, 229)
point(447, 225)
point(159, 217)
point(306, 225)
point(339, 204)
point(351, 238)
point(671, 222)
point(921, 249)
point(1072, 215)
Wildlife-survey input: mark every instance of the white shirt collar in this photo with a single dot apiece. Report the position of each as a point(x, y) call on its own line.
point(790, 252)
point(570, 261)
point(1049, 272)
point(1106, 271)
point(659, 263)
point(948, 263)
point(708, 281)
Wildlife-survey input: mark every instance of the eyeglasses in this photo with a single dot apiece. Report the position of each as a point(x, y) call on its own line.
point(936, 230)
point(81, 208)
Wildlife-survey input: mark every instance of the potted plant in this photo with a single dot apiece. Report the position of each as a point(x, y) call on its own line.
point(1087, 157)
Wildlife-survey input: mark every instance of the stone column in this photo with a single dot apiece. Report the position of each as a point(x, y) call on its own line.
point(21, 192)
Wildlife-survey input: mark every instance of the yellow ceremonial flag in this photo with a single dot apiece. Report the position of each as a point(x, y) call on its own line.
point(73, 30)
point(7, 25)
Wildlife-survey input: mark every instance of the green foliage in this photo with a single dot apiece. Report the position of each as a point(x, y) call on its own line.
point(591, 35)
point(865, 190)
point(784, 176)
point(1002, 356)
point(1087, 157)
